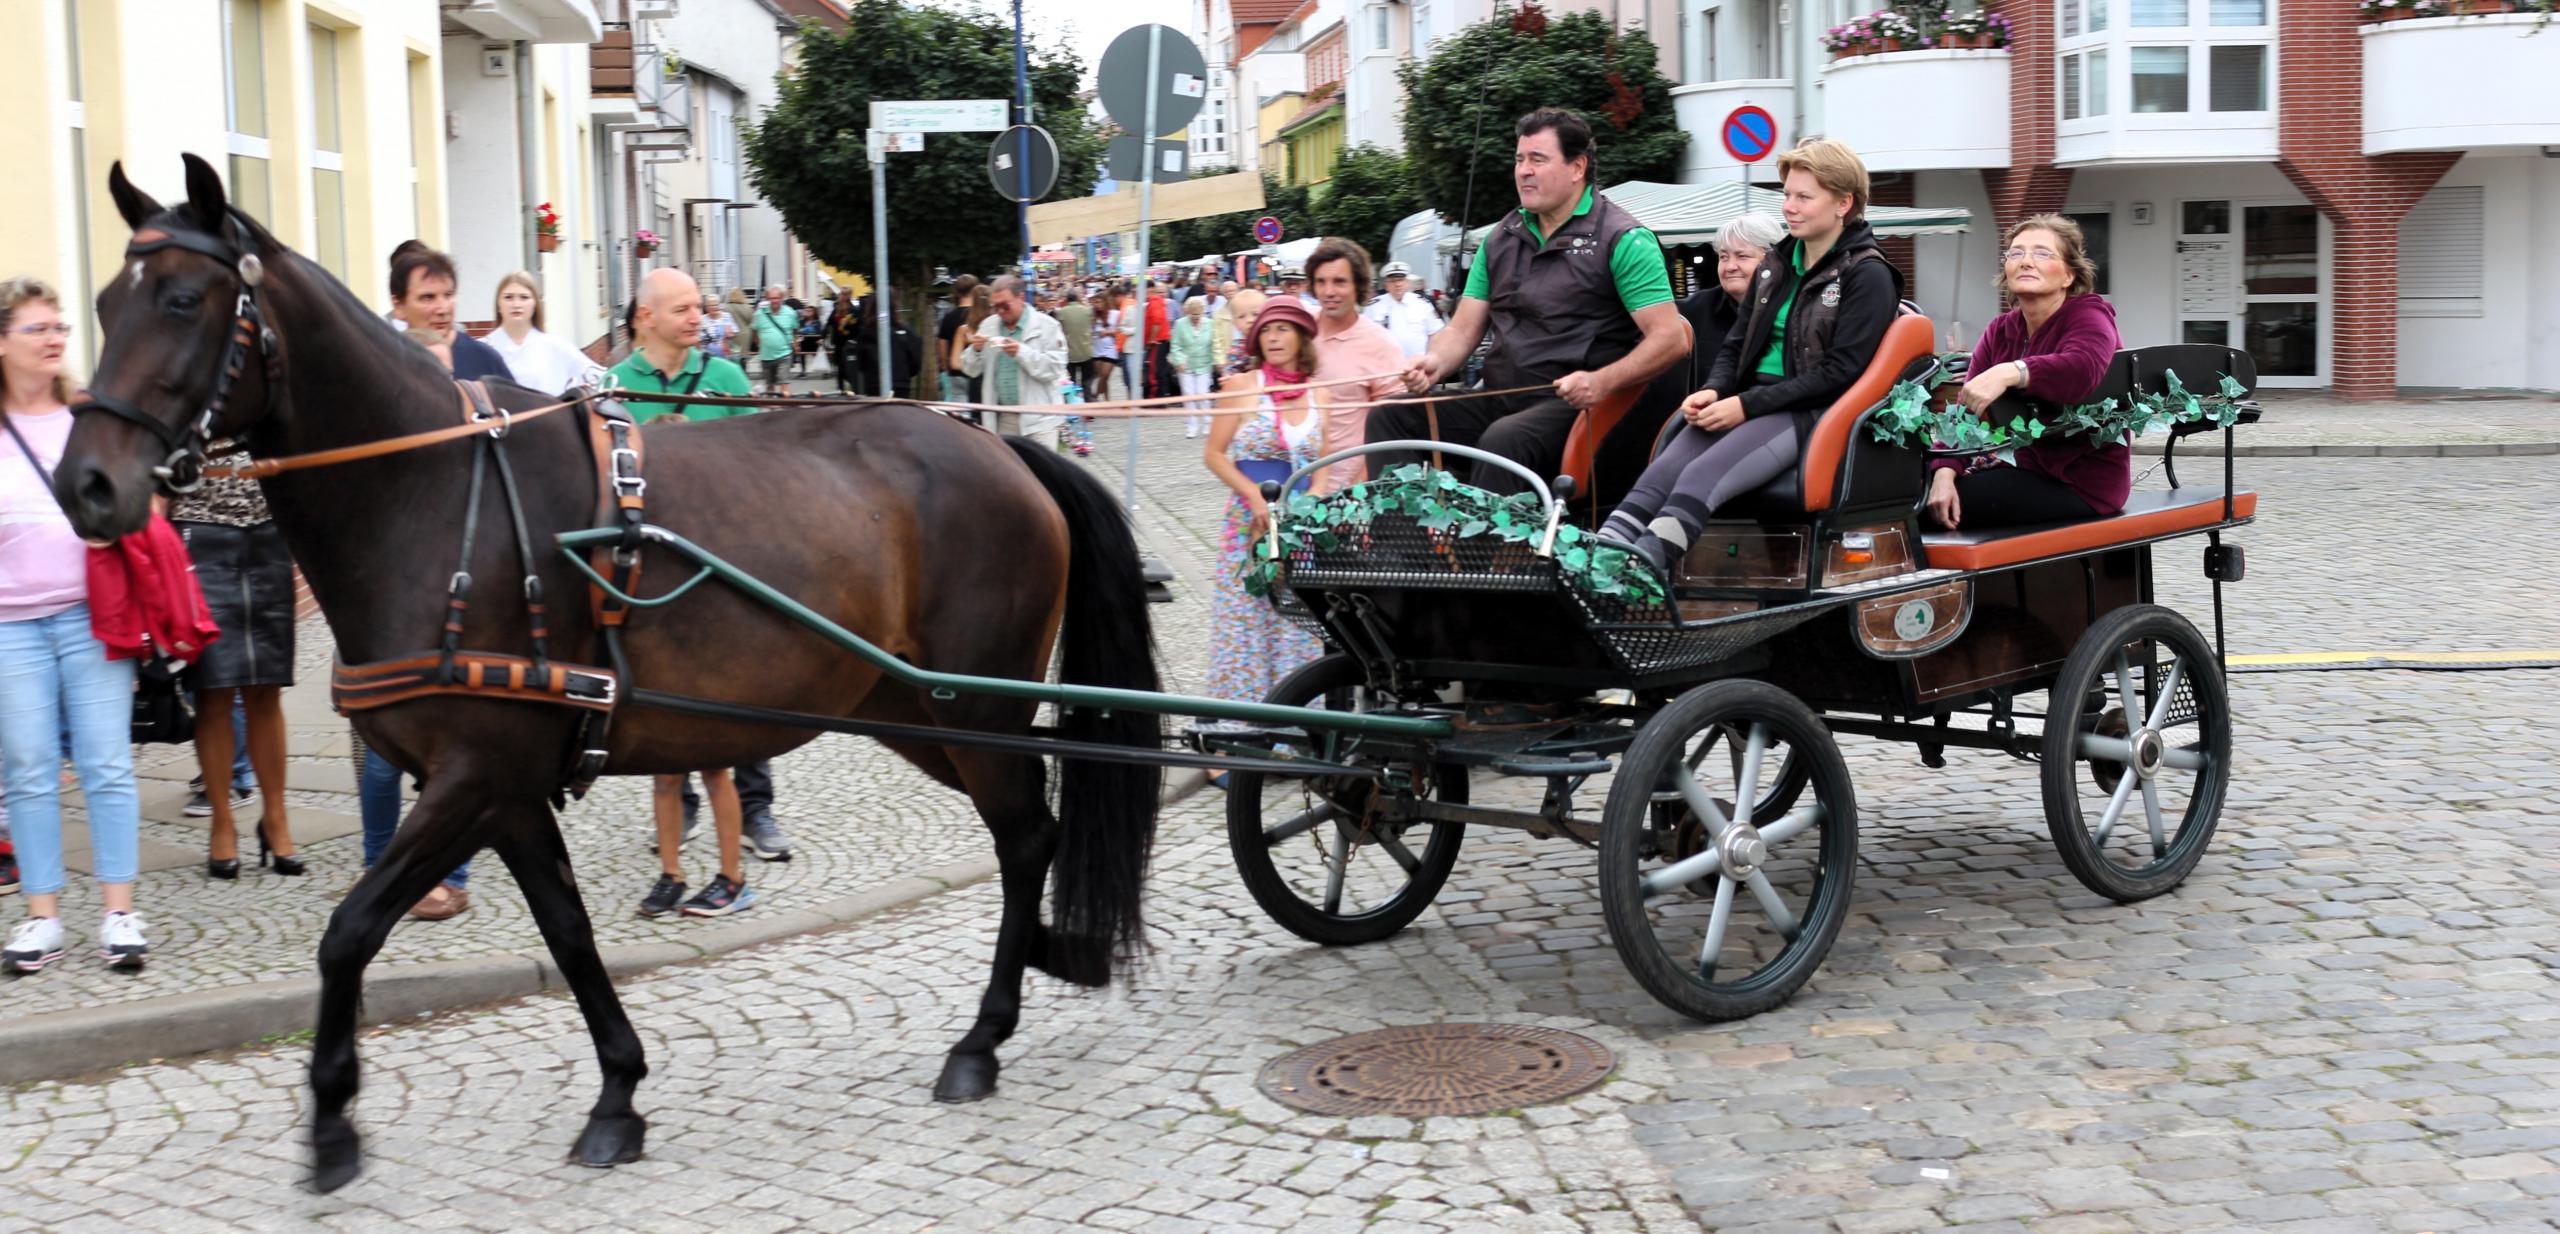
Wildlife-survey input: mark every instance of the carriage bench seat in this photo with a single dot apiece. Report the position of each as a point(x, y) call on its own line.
point(2146, 516)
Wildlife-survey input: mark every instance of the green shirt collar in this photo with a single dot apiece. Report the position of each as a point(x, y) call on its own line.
point(1580, 208)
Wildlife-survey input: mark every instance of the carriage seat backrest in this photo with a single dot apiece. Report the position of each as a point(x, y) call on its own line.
point(1908, 343)
point(2199, 368)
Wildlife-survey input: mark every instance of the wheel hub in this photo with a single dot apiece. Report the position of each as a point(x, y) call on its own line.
point(1741, 851)
point(2149, 748)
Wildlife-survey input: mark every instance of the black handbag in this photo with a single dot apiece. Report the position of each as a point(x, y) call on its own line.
point(162, 714)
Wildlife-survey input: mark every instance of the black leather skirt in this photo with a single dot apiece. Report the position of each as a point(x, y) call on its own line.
point(247, 577)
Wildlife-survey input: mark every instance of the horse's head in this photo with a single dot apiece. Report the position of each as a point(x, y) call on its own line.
point(188, 356)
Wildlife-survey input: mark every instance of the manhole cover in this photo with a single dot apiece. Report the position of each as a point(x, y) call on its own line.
point(1425, 1069)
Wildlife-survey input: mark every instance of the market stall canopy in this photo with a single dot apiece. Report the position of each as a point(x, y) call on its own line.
point(1690, 214)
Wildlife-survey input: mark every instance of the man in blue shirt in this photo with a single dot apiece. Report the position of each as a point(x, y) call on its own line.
point(422, 283)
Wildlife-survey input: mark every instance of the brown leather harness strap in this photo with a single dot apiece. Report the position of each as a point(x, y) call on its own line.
point(621, 500)
point(480, 674)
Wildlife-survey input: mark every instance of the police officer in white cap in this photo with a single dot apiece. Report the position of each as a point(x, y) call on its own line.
point(1405, 314)
point(1293, 282)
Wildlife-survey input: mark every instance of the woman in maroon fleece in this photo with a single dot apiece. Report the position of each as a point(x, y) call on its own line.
point(2056, 345)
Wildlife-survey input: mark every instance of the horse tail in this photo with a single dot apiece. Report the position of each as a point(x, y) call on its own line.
point(1106, 811)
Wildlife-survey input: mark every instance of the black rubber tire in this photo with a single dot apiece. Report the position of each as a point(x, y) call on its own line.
point(1335, 675)
point(2091, 666)
point(1626, 844)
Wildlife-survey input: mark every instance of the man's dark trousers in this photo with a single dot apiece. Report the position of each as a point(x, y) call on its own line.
point(1529, 429)
point(755, 790)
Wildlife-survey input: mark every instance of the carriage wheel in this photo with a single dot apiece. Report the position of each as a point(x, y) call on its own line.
point(1321, 854)
point(1716, 918)
point(2133, 786)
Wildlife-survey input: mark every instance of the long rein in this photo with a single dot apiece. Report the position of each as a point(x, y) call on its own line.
point(1167, 405)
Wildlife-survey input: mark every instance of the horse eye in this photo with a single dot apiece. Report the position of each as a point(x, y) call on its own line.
point(185, 302)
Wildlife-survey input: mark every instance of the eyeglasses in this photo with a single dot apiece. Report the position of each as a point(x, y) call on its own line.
point(2040, 254)
point(59, 329)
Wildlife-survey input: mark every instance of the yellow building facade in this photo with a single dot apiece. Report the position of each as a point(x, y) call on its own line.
point(322, 115)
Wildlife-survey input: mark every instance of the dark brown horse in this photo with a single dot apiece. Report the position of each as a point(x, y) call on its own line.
point(947, 546)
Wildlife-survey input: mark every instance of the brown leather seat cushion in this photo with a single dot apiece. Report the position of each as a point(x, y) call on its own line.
point(2145, 516)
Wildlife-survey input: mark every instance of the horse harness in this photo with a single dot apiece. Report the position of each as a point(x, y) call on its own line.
point(450, 669)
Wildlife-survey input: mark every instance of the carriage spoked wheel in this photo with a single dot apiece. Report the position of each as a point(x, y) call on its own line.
point(1329, 857)
point(2137, 753)
point(1720, 917)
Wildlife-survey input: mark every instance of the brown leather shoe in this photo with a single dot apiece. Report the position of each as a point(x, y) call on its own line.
point(441, 903)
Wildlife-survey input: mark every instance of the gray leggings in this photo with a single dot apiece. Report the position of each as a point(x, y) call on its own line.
point(1699, 471)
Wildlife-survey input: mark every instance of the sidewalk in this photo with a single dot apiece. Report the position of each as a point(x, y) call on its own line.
point(2309, 423)
point(232, 962)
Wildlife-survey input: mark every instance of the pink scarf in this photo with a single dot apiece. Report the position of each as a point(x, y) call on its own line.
point(1274, 375)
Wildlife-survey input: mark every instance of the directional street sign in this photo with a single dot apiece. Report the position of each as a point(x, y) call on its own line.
point(1750, 133)
point(939, 115)
point(1014, 149)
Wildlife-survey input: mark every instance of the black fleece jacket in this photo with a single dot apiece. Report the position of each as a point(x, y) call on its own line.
point(1870, 296)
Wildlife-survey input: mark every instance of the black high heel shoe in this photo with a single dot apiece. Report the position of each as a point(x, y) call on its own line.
point(225, 868)
point(288, 866)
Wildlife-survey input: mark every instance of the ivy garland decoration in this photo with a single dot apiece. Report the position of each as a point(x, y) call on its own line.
point(1438, 502)
point(1906, 419)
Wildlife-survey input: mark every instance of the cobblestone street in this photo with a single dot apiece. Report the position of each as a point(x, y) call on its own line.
point(2344, 1021)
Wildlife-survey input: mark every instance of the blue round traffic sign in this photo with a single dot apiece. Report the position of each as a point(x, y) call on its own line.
point(1750, 133)
point(1266, 230)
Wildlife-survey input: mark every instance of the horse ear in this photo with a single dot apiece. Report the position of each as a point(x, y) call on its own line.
point(204, 194)
point(136, 206)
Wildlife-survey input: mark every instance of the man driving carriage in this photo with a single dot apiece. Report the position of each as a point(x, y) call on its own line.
point(1576, 293)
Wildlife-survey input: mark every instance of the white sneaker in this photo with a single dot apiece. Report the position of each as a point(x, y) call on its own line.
point(120, 941)
point(33, 943)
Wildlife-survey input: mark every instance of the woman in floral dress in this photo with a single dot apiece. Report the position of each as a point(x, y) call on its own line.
point(1251, 646)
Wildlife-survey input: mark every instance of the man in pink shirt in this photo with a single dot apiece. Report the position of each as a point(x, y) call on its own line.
point(1349, 345)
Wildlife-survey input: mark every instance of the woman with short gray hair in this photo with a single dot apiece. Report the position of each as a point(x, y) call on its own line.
point(1710, 311)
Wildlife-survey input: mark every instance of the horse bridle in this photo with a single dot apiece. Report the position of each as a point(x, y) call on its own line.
point(183, 468)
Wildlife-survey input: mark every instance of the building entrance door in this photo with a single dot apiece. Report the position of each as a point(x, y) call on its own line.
point(2249, 276)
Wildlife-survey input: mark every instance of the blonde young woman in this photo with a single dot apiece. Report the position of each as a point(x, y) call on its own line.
point(539, 361)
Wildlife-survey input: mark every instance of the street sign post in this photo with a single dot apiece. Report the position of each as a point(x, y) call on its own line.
point(1266, 230)
point(1749, 133)
point(898, 126)
point(1152, 82)
point(1121, 155)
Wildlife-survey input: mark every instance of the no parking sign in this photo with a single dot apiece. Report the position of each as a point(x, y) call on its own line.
point(1750, 133)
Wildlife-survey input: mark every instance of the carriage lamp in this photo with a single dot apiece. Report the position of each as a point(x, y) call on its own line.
point(1858, 548)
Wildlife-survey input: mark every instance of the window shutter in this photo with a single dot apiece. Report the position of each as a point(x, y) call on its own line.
point(2443, 242)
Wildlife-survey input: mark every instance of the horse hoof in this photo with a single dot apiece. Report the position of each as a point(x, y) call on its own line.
point(610, 1141)
point(337, 1156)
point(966, 1077)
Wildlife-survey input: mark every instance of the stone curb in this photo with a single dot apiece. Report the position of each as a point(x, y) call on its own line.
point(2449, 449)
point(60, 1044)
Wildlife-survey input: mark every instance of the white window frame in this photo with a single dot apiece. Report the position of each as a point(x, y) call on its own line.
point(2118, 38)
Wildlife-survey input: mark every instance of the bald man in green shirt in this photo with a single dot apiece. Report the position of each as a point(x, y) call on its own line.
point(1578, 297)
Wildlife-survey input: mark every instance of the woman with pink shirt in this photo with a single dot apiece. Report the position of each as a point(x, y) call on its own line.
point(54, 673)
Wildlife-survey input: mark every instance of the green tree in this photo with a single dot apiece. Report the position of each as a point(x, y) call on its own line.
point(1460, 106)
point(807, 157)
point(1371, 191)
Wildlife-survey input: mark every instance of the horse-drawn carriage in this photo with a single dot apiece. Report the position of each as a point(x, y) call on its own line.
point(1728, 837)
point(1727, 842)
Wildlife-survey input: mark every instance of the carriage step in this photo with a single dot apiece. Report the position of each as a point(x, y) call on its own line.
point(1891, 582)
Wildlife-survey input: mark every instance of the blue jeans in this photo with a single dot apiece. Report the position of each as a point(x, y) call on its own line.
point(378, 795)
point(55, 675)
